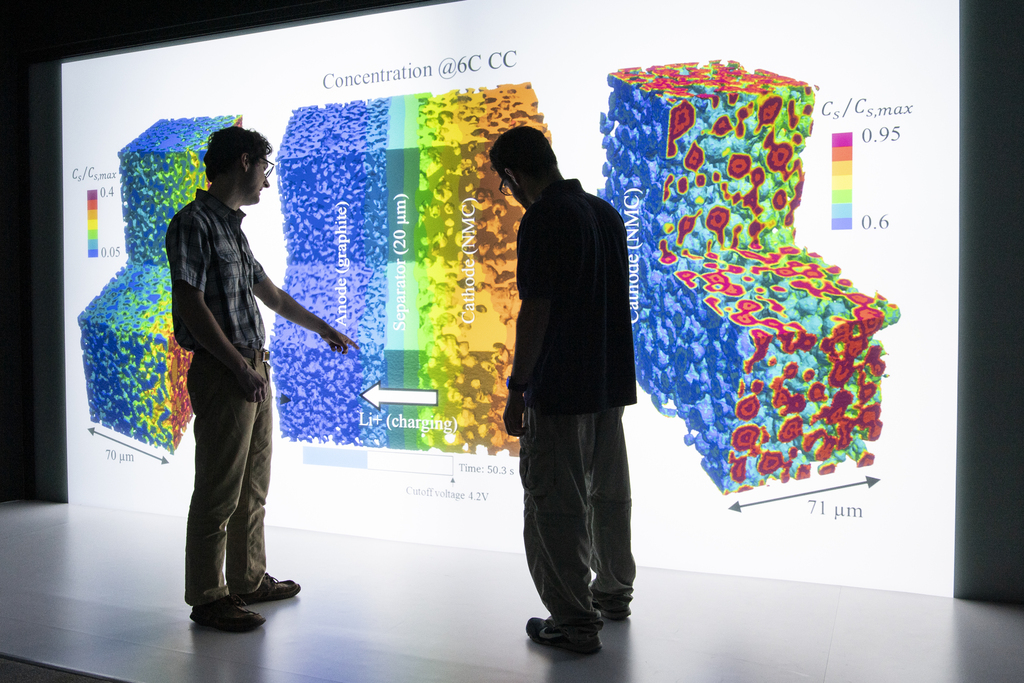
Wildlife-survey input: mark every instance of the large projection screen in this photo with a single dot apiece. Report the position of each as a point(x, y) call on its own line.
point(767, 160)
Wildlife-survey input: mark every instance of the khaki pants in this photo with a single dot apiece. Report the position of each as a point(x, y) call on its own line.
point(577, 516)
point(225, 518)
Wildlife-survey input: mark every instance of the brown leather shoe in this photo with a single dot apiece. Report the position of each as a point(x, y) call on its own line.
point(271, 589)
point(226, 614)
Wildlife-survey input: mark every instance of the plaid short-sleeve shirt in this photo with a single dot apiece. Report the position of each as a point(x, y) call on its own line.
point(207, 249)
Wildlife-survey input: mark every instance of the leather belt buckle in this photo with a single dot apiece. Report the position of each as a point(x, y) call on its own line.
point(258, 355)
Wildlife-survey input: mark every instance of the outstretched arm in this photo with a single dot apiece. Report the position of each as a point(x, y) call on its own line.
point(284, 305)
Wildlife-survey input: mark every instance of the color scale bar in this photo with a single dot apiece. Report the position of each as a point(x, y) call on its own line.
point(94, 225)
point(842, 181)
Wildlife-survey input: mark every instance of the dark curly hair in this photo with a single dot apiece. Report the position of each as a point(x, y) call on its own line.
point(228, 144)
point(523, 149)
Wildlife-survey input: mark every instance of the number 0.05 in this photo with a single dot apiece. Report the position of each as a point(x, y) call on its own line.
point(109, 252)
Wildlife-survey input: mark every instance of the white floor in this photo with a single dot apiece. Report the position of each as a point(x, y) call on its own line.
point(99, 591)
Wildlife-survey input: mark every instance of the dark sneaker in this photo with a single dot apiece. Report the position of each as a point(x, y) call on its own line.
point(271, 589)
point(615, 614)
point(226, 614)
point(546, 633)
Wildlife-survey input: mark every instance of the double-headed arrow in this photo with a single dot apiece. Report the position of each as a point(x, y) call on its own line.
point(378, 396)
point(869, 481)
point(163, 460)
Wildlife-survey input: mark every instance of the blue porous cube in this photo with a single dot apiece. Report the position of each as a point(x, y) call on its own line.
point(336, 237)
point(134, 369)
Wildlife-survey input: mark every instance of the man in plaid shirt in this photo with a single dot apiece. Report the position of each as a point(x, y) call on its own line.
point(216, 281)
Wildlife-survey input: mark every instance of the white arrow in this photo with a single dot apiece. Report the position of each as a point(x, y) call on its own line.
point(378, 396)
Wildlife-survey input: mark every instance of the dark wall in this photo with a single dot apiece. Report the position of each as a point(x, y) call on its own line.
point(990, 455)
point(49, 470)
point(990, 444)
point(16, 480)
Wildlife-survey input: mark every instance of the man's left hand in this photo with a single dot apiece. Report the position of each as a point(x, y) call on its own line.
point(515, 408)
point(337, 341)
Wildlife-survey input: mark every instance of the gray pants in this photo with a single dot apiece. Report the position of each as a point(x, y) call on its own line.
point(225, 518)
point(577, 516)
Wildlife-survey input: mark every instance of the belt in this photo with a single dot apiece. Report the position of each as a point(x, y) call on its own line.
point(259, 355)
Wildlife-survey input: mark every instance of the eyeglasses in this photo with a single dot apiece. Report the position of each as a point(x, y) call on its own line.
point(270, 168)
point(505, 189)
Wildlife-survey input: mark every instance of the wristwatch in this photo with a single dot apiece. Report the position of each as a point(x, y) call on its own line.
point(515, 386)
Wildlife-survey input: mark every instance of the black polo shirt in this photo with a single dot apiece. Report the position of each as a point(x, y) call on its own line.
point(572, 251)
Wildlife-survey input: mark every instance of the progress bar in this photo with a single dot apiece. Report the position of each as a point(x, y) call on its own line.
point(381, 461)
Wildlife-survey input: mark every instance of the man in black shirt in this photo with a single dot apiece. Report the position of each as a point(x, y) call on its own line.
point(572, 374)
